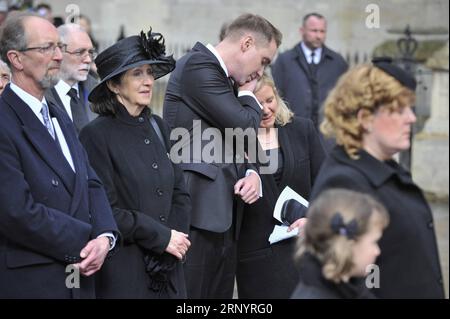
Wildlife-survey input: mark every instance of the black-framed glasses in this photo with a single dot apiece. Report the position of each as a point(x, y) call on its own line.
point(48, 49)
point(81, 53)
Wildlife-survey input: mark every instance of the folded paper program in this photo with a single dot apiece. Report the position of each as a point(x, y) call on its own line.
point(281, 233)
point(289, 207)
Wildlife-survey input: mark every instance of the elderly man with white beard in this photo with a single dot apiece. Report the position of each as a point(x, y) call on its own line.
point(72, 90)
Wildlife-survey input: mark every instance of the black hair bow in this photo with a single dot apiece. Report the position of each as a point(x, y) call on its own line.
point(338, 226)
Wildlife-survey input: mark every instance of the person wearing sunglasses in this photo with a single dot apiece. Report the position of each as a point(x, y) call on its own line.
point(72, 90)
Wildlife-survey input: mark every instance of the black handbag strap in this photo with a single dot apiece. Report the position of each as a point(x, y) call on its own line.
point(158, 131)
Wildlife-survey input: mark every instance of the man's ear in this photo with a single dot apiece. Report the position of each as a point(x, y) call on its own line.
point(15, 59)
point(365, 118)
point(247, 42)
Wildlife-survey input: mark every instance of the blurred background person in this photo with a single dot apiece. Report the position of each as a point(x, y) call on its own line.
point(305, 74)
point(370, 114)
point(265, 270)
point(45, 11)
point(85, 23)
point(5, 75)
point(3, 10)
point(339, 242)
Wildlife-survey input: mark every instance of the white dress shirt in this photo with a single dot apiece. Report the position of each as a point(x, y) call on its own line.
point(307, 52)
point(62, 88)
point(36, 106)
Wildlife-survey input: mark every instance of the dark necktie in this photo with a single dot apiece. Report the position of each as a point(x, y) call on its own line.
point(79, 116)
point(313, 65)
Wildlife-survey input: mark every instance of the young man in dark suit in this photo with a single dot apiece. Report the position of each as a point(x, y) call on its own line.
point(212, 88)
point(72, 91)
point(53, 209)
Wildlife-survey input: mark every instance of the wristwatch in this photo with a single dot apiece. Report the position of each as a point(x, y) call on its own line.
point(111, 242)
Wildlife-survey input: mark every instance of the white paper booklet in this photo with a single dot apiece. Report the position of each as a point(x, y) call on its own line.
point(286, 194)
point(280, 232)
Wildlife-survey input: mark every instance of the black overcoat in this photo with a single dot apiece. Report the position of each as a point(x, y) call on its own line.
point(409, 259)
point(148, 197)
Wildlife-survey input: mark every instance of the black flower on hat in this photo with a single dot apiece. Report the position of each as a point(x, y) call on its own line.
point(129, 53)
point(153, 43)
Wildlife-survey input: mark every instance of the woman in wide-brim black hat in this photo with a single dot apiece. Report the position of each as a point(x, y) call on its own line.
point(128, 147)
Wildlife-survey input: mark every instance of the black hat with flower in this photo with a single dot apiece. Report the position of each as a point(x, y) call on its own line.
point(130, 53)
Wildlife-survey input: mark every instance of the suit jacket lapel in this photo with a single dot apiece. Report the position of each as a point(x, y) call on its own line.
point(53, 97)
point(301, 59)
point(288, 155)
point(39, 137)
point(76, 154)
point(83, 99)
point(87, 86)
point(200, 47)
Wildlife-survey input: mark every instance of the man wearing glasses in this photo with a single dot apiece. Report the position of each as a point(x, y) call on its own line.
point(56, 224)
point(71, 92)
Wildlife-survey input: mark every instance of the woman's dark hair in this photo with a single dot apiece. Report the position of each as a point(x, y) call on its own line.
point(107, 104)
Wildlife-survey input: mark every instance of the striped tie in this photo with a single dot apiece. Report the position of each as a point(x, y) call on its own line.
point(47, 121)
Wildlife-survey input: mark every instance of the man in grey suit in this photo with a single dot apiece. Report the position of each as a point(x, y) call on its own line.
point(72, 90)
point(203, 94)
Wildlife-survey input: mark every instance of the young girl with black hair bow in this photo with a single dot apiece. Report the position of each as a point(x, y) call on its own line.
point(338, 246)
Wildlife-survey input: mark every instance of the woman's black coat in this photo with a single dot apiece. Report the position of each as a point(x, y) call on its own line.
point(148, 197)
point(264, 270)
point(409, 259)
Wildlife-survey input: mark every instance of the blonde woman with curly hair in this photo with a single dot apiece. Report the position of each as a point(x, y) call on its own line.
point(265, 270)
point(339, 244)
point(370, 114)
